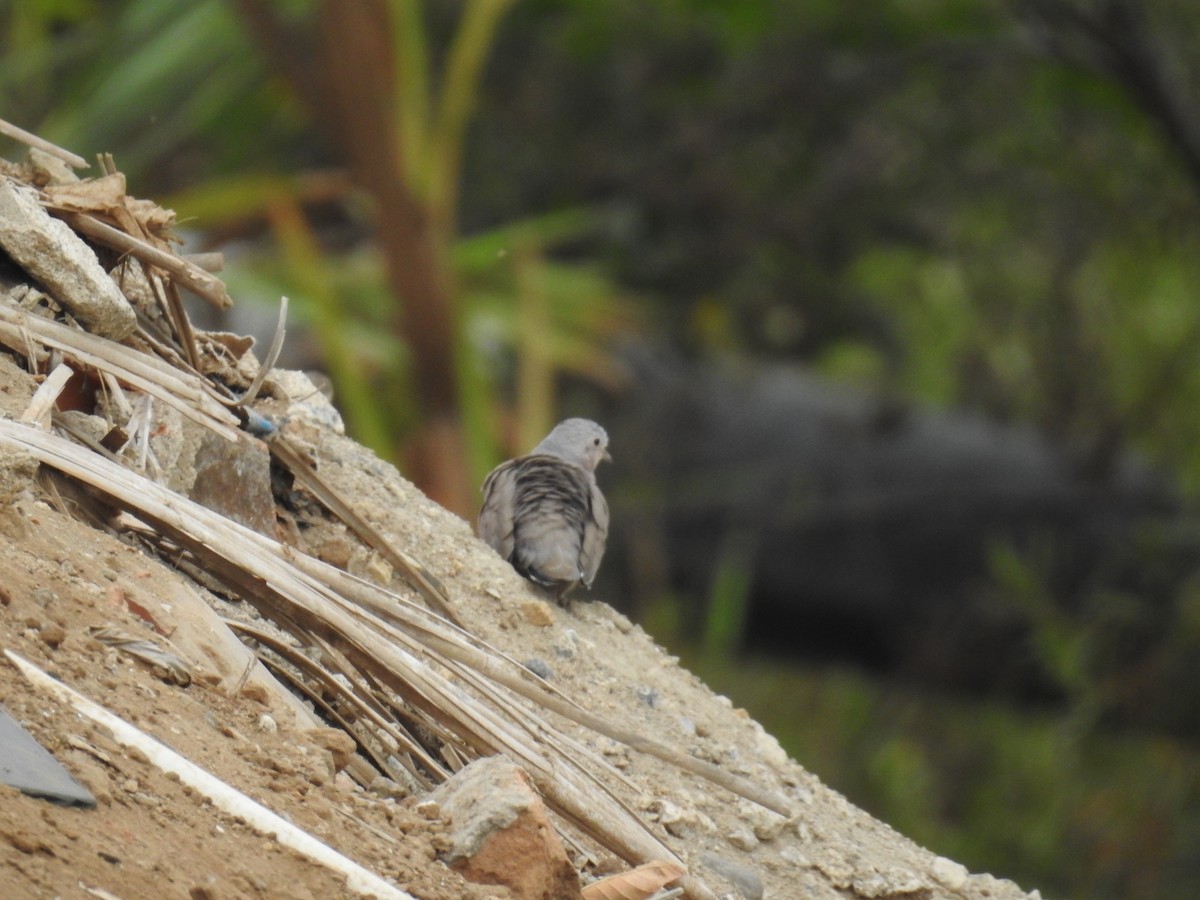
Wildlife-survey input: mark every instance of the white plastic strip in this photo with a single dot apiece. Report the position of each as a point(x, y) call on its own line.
point(358, 879)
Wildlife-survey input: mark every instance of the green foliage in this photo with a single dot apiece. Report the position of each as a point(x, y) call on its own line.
point(729, 603)
point(343, 298)
point(1120, 643)
point(143, 80)
point(1020, 794)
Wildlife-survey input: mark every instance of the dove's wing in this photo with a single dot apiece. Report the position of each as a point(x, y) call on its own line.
point(496, 514)
point(595, 535)
point(551, 509)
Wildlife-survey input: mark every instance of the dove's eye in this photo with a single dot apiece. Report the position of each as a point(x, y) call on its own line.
point(596, 442)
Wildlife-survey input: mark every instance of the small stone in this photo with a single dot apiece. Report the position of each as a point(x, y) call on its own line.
point(386, 787)
point(339, 744)
point(567, 646)
point(746, 880)
point(52, 635)
point(539, 668)
point(538, 613)
point(648, 696)
point(43, 596)
point(953, 875)
point(742, 838)
point(308, 404)
point(24, 842)
point(233, 478)
point(677, 819)
point(336, 551)
point(253, 690)
point(501, 832)
point(93, 427)
point(621, 622)
point(267, 723)
point(765, 824)
point(769, 749)
point(379, 570)
point(888, 882)
point(429, 809)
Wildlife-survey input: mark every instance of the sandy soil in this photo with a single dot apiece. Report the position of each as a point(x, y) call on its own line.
point(151, 837)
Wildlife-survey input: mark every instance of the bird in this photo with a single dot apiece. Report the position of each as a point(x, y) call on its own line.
point(544, 513)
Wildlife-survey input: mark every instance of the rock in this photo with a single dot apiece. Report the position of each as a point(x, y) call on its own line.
point(307, 404)
point(746, 880)
point(765, 824)
point(953, 875)
point(537, 613)
point(567, 644)
point(889, 882)
point(429, 809)
point(742, 838)
point(93, 427)
point(52, 635)
point(340, 745)
point(769, 748)
point(18, 468)
point(59, 259)
point(378, 570)
point(336, 551)
point(539, 667)
point(648, 695)
point(500, 832)
point(232, 478)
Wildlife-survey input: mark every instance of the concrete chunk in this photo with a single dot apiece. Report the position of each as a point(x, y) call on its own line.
point(64, 265)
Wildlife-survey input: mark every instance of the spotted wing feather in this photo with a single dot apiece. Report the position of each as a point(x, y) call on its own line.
point(496, 514)
point(551, 514)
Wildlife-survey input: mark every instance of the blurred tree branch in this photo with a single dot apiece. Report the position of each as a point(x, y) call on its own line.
point(1116, 39)
point(361, 69)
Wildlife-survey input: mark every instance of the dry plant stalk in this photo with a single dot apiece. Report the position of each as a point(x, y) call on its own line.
point(20, 134)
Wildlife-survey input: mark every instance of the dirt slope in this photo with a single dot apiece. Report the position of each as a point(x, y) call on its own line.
point(150, 837)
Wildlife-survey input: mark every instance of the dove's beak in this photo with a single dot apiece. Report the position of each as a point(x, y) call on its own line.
point(607, 457)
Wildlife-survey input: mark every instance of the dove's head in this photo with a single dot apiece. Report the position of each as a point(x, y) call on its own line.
point(578, 441)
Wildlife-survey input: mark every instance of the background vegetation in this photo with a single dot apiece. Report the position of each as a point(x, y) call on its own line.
point(971, 204)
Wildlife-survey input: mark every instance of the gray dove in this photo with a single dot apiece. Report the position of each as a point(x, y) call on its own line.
point(544, 512)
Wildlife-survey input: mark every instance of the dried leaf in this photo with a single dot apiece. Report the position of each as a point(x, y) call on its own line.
point(154, 219)
point(102, 195)
point(636, 884)
point(106, 196)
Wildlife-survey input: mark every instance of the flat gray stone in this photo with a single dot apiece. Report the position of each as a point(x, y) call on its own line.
point(28, 766)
